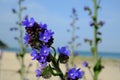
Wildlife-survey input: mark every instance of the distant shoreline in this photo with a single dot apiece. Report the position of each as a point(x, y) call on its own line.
point(109, 55)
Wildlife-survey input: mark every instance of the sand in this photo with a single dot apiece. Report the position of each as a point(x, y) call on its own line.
point(10, 65)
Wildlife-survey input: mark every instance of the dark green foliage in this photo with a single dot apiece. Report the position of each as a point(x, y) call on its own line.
point(98, 66)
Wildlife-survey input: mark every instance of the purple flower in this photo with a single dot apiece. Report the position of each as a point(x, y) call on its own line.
point(34, 54)
point(85, 64)
point(79, 73)
point(75, 73)
point(46, 35)
point(43, 26)
point(64, 51)
point(26, 38)
point(28, 23)
point(38, 73)
point(44, 50)
point(72, 73)
point(42, 59)
point(63, 54)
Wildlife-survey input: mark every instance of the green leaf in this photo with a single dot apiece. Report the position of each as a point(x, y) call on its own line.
point(88, 41)
point(99, 33)
point(46, 72)
point(98, 66)
point(89, 10)
point(53, 71)
point(94, 18)
point(99, 40)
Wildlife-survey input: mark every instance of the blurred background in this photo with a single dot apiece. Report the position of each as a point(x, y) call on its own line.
point(56, 14)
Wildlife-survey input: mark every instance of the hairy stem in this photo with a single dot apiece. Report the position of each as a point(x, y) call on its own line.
point(73, 40)
point(95, 30)
point(73, 45)
point(56, 66)
point(22, 69)
point(95, 77)
point(22, 48)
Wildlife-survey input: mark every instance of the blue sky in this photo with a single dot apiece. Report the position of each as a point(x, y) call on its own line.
point(56, 13)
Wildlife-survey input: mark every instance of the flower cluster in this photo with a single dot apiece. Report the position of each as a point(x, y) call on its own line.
point(37, 34)
point(40, 39)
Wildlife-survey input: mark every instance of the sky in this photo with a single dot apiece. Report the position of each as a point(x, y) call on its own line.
point(56, 13)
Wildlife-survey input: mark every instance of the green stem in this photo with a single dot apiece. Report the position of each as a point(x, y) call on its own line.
point(58, 69)
point(54, 51)
point(22, 48)
point(19, 17)
point(95, 29)
point(73, 42)
point(95, 77)
point(22, 69)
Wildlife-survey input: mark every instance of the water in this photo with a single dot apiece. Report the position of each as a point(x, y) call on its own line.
point(111, 55)
point(15, 50)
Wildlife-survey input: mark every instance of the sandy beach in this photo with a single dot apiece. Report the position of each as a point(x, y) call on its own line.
point(10, 66)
